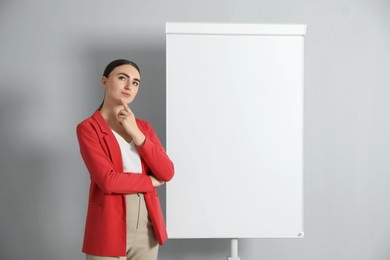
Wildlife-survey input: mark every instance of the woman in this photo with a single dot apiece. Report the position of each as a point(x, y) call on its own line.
point(126, 163)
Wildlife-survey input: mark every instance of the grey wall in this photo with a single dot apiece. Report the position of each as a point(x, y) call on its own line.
point(52, 54)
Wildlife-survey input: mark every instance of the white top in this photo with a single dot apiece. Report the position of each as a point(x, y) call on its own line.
point(130, 156)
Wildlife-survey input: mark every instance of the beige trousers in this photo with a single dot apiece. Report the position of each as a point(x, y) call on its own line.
point(141, 241)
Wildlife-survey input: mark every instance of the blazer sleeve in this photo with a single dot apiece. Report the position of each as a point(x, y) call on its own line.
point(155, 156)
point(102, 169)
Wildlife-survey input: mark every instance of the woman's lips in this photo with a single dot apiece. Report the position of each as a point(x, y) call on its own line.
point(126, 94)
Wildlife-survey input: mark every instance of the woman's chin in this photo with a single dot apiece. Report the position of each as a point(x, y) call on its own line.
point(125, 99)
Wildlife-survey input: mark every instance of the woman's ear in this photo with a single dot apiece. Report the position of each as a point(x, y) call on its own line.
point(104, 82)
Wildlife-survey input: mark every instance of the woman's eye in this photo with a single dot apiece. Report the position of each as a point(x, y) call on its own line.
point(136, 83)
point(122, 78)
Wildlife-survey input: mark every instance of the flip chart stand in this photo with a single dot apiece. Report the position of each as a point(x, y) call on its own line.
point(234, 249)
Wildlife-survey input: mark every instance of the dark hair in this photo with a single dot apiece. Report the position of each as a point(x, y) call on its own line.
point(116, 63)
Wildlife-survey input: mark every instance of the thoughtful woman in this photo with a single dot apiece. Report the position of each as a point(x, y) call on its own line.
point(126, 162)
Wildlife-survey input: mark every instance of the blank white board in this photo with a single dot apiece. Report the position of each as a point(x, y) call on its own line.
point(235, 130)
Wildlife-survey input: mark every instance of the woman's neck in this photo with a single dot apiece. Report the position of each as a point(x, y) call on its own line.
point(110, 111)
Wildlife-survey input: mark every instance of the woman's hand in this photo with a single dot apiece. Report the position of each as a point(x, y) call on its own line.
point(156, 182)
point(126, 119)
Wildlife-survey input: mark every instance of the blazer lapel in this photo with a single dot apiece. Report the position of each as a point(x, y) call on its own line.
point(110, 141)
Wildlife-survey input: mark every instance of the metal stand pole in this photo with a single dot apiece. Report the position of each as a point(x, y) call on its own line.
point(234, 249)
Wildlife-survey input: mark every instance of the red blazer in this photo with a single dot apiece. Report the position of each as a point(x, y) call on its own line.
point(105, 228)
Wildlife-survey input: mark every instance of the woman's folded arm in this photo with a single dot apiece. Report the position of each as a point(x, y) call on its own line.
point(155, 156)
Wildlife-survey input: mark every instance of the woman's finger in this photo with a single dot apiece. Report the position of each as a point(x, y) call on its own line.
point(125, 105)
point(123, 112)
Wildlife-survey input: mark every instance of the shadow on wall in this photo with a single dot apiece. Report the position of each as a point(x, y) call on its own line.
point(42, 173)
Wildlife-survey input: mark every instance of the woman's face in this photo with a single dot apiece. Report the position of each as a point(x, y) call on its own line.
point(123, 82)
